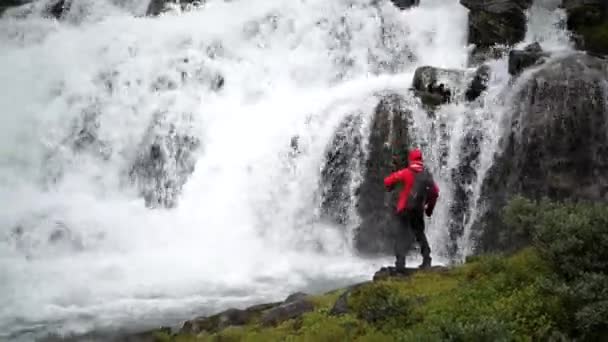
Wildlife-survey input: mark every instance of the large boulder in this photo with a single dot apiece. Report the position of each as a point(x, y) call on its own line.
point(294, 306)
point(556, 145)
point(405, 4)
point(49, 9)
point(478, 84)
point(436, 86)
point(496, 21)
point(389, 142)
point(588, 19)
point(342, 160)
point(157, 7)
point(522, 59)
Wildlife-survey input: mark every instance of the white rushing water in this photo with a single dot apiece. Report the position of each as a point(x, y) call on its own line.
point(84, 100)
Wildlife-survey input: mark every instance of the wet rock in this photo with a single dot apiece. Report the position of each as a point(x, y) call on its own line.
point(293, 307)
point(390, 272)
point(436, 86)
point(343, 160)
point(215, 323)
point(341, 306)
point(463, 177)
point(6, 4)
point(480, 56)
point(479, 84)
point(295, 297)
point(531, 55)
point(165, 162)
point(405, 4)
point(557, 145)
point(58, 8)
point(496, 22)
point(588, 19)
point(20, 9)
point(389, 143)
point(157, 7)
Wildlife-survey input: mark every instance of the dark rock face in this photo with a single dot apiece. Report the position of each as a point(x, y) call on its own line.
point(522, 59)
point(164, 164)
point(462, 177)
point(53, 9)
point(230, 317)
point(436, 86)
point(341, 306)
point(588, 19)
point(479, 84)
point(294, 306)
point(405, 4)
point(496, 21)
point(343, 156)
point(557, 145)
point(386, 273)
point(215, 323)
point(388, 148)
point(10, 3)
point(156, 7)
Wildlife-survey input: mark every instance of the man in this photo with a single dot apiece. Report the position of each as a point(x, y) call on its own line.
point(418, 196)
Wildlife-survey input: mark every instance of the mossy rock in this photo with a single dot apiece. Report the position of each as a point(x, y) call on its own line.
point(589, 22)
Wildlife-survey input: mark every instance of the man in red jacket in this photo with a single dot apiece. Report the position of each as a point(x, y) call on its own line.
point(418, 196)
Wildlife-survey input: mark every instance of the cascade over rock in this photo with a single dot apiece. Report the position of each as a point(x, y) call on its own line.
point(522, 59)
point(479, 83)
point(344, 154)
point(496, 22)
point(165, 162)
point(557, 144)
point(52, 8)
point(435, 86)
point(389, 142)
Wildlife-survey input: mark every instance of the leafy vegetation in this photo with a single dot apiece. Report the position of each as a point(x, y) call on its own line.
point(555, 290)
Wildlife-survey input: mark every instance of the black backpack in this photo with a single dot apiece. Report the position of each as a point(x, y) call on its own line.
point(423, 182)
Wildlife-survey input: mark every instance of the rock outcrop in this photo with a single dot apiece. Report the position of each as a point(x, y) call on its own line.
point(50, 9)
point(519, 60)
point(557, 145)
point(267, 314)
point(496, 22)
point(157, 7)
point(478, 84)
point(294, 306)
point(342, 160)
point(405, 4)
point(389, 143)
point(436, 86)
point(165, 162)
point(588, 19)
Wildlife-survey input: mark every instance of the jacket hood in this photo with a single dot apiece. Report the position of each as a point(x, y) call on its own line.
point(415, 155)
point(415, 160)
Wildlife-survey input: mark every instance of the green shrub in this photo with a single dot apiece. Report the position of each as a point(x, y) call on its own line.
point(573, 239)
point(383, 305)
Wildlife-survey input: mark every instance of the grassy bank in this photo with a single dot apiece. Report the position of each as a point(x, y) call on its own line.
point(557, 289)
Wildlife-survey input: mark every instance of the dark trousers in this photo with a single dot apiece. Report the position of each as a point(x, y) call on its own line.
point(415, 222)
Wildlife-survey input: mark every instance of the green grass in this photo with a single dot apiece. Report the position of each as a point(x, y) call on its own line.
point(492, 298)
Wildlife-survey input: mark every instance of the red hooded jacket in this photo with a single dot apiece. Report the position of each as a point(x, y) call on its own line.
point(407, 176)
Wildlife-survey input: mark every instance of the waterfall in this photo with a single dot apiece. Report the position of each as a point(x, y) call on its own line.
point(155, 168)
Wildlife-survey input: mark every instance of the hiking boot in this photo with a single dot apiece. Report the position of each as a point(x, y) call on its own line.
point(426, 263)
point(401, 270)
